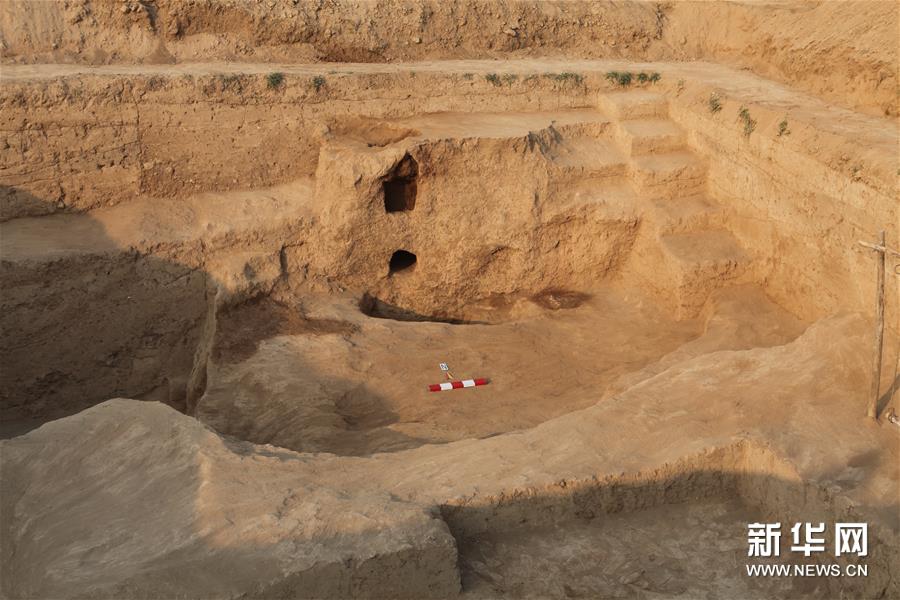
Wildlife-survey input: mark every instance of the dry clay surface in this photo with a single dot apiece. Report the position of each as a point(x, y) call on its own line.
point(135, 499)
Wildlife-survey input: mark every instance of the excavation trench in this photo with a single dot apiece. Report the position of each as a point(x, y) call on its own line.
point(190, 283)
point(611, 258)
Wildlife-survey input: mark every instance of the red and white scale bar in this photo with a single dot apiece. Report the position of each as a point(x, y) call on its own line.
point(455, 385)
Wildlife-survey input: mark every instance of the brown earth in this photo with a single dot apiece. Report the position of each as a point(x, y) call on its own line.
point(660, 278)
point(777, 437)
point(843, 51)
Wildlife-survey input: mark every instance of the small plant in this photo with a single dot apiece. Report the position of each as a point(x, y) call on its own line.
point(155, 82)
point(749, 122)
point(468, 76)
point(274, 80)
point(715, 104)
point(643, 77)
point(622, 78)
point(749, 127)
point(654, 77)
point(680, 85)
point(493, 78)
point(565, 76)
point(318, 82)
point(783, 128)
point(222, 83)
point(509, 78)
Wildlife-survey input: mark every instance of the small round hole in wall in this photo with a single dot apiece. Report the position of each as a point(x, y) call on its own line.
point(401, 261)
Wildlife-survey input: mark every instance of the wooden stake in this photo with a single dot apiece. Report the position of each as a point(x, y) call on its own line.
point(881, 249)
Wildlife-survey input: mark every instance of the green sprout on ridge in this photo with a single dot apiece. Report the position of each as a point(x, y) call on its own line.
point(783, 128)
point(749, 122)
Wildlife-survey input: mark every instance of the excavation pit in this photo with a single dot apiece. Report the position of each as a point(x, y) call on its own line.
point(373, 307)
point(297, 388)
point(219, 337)
point(559, 299)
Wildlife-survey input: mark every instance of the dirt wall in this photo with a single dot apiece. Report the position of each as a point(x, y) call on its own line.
point(95, 141)
point(489, 220)
point(284, 30)
point(82, 329)
point(843, 51)
point(799, 201)
point(87, 315)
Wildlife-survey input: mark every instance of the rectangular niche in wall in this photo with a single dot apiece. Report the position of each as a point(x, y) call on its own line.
point(400, 186)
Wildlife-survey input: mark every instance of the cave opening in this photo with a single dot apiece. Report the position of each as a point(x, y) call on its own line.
point(401, 260)
point(400, 186)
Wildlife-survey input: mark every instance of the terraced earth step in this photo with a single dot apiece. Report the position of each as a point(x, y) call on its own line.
point(151, 224)
point(492, 125)
point(695, 264)
point(643, 136)
point(685, 214)
point(716, 248)
point(634, 105)
point(612, 198)
point(589, 157)
point(669, 174)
